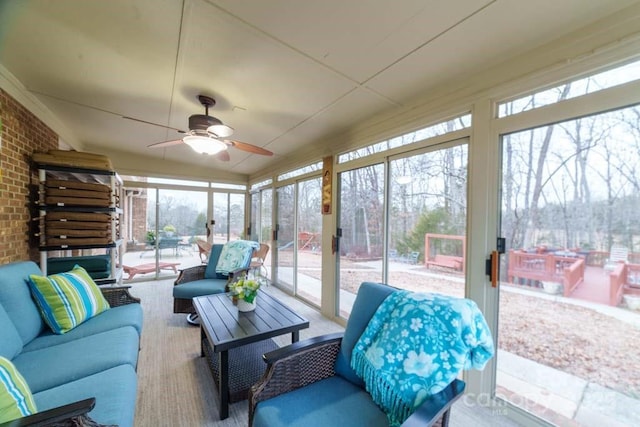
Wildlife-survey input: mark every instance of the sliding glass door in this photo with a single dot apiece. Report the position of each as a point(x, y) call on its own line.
point(427, 220)
point(361, 227)
point(309, 240)
point(567, 337)
point(228, 214)
point(285, 245)
point(299, 231)
point(162, 225)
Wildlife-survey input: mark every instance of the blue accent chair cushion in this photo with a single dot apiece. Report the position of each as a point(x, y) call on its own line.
point(369, 297)
point(336, 402)
point(114, 390)
point(198, 288)
point(10, 341)
point(114, 318)
point(78, 358)
point(214, 256)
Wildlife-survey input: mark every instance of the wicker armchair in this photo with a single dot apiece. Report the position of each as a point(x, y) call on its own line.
point(202, 280)
point(319, 380)
point(191, 274)
point(118, 295)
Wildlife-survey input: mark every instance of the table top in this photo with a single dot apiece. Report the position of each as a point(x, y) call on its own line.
point(227, 328)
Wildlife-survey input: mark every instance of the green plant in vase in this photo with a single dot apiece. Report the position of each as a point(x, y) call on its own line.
point(151, 238)
point(245, 290)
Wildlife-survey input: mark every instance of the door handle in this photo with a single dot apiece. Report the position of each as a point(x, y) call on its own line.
point(492, 267)
point(335, 241)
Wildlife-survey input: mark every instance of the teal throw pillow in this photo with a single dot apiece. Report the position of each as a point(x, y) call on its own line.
point(16, 400)
point(67, 299)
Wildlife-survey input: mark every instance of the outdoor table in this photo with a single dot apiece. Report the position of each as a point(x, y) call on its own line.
point(224, 329)
point(567, 254)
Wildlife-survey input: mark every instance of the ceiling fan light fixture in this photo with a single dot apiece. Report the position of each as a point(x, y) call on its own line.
point(204, 145)
point(220, 130)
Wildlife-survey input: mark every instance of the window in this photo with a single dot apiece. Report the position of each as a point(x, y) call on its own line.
point(301, 171)
point(573, 89)
point(261, 184)
point(441, 128)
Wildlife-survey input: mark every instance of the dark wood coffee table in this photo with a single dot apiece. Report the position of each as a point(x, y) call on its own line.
point(223, 329)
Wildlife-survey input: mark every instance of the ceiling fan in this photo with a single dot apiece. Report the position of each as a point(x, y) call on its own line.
point(207, 135)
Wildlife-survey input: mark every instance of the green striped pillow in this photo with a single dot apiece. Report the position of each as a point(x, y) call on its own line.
point(16, 400)
point(67, 299)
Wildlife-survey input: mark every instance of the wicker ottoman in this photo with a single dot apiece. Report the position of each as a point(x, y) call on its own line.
point(246, 366)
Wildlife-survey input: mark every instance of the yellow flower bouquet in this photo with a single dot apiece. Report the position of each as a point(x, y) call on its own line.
point(245, 289)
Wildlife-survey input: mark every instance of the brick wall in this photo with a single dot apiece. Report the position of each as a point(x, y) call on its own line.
point(139, 217)
point(22, 135)
point(134, 226)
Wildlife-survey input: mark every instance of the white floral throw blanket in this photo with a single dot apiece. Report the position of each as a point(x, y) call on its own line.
point(235, 255)
point(415, 345)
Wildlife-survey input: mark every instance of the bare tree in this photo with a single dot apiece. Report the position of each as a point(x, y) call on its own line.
point(538, 175)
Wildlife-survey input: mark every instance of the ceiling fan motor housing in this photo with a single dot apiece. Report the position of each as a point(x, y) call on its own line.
point(202, 122)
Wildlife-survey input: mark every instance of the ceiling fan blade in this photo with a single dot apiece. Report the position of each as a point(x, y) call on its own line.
point(223, 156)
point(153, 124)
point(105, 111)
point(250, 148)
point(165, 143)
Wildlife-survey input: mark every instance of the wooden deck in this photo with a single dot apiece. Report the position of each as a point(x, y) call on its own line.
point(586, 282)
point(594, 287)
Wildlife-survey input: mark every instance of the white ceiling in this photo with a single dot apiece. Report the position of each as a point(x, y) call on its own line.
point(285, 73)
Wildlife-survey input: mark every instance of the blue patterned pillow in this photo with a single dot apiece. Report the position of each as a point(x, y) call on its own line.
point(16, 400)
point(67, 299)
point(235, 255)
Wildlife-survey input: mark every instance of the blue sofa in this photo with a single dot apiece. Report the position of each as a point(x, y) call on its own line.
point(97, 359)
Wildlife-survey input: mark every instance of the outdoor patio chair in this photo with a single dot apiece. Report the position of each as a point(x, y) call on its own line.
point(617, 255)
point(204, 248)
point(311, 383)
point(213, 277)
point(257, 261)
point(413, 257)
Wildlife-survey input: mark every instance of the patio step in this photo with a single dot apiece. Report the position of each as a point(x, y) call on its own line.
point(535, 387)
